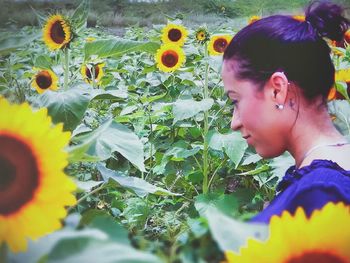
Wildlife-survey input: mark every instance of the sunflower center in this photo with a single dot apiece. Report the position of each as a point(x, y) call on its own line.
point(174, 34)
point(44, 80)
point(319, 257)
point(88, 71)
point(57, 33)
point(19, 174)
point(170, 58)
point(220, 45)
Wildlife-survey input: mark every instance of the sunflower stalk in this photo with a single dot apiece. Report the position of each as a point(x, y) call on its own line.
point(3, 252)
point(66, 68)
point(205, 186)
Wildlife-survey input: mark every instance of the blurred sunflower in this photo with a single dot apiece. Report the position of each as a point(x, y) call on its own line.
point(300, 18)
point(347, 36)
point(88, 71)
point(174, 34)
point(202, 35)
point(34, 190)
point(218, 44)
point(57, 32)
point(253, 19)
point(170, 57)
point(324, 237)
point(44, 80)
point(332, 95)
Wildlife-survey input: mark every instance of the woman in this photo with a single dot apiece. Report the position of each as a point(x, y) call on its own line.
point(278, 72)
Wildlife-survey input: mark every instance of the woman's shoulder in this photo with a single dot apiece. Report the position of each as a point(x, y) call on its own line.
point(319, 172)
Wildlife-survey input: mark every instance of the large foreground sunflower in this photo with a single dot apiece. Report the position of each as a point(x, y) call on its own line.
point(218, 44)
point(34, 190)
point(170, 57)
point(44, 80)
point(57, 32)
point(88, 71)
point(323, 238)
point(174, 34)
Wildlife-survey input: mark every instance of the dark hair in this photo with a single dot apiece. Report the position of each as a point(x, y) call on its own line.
point(283, 43)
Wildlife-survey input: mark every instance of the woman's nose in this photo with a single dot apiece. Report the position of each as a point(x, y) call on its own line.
point(235, 122)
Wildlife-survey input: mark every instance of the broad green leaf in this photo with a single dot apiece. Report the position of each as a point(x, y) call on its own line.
point(342, 88)
point(98, 94)
point(37, 249)
point(65, 106)
point(184, 109)
point(280, 165)
point(11, 43)
point(232, 143)
point(43, 62)
point(111, 137)
point(90, 250)
point(117, 47)
point(341, 110)
point(80, 15)
point(135, 184)
point(261, 169)
point(228, 204)
point(87, 185)
point(231, 234)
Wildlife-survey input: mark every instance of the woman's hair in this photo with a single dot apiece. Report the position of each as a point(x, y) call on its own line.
point(282, 43)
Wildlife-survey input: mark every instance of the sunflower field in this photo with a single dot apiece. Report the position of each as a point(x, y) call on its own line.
point(119, 149)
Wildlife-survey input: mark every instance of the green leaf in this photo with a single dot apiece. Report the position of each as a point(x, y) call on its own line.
point(137, 185)
point(91, 250)
point(232, 234)
point(80, 15)
point(342, 88)
point(184, 109)
point(225, 203)
point(108, 138)
point(98, 94)
point(232, 143)
point(43, 62)
point(11, 43)
point(341, 110)
point(65, 106)
point(117, 47)
point(280, 165)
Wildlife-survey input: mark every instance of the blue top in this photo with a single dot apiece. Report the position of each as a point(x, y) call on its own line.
point(310, 187)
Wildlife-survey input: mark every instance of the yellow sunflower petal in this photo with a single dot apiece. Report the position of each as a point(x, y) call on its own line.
point(57, 32)
point(297, 239)
point(44, 80)
point(174, 34)
point(253, 19)
point(35, 189)
point(218, 44)
point(88, 72)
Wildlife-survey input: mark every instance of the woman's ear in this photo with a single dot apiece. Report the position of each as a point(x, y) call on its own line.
point(277, 89)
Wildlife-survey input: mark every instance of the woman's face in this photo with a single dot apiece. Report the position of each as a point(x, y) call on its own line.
point(255, 114)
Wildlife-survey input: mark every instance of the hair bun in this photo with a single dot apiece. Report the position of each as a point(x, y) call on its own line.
point(327, 19)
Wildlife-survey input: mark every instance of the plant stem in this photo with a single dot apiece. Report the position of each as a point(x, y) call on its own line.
point(3, 252)
point(66, 68)
point(205, 186)
point(102, 186)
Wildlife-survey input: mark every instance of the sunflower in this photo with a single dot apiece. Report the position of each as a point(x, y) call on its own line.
point(343, 75)
point(33, 187)
point(44, 80)
point(300, 18)
point(88, 72)
point(174, 34)
point(170, 57)
point(325, 237)
point(253, 19)
point(218, 44)
point(57, 32)
point(332, 95)
point(202, 35)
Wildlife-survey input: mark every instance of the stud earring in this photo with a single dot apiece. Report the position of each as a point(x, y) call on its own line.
point(280, 106)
